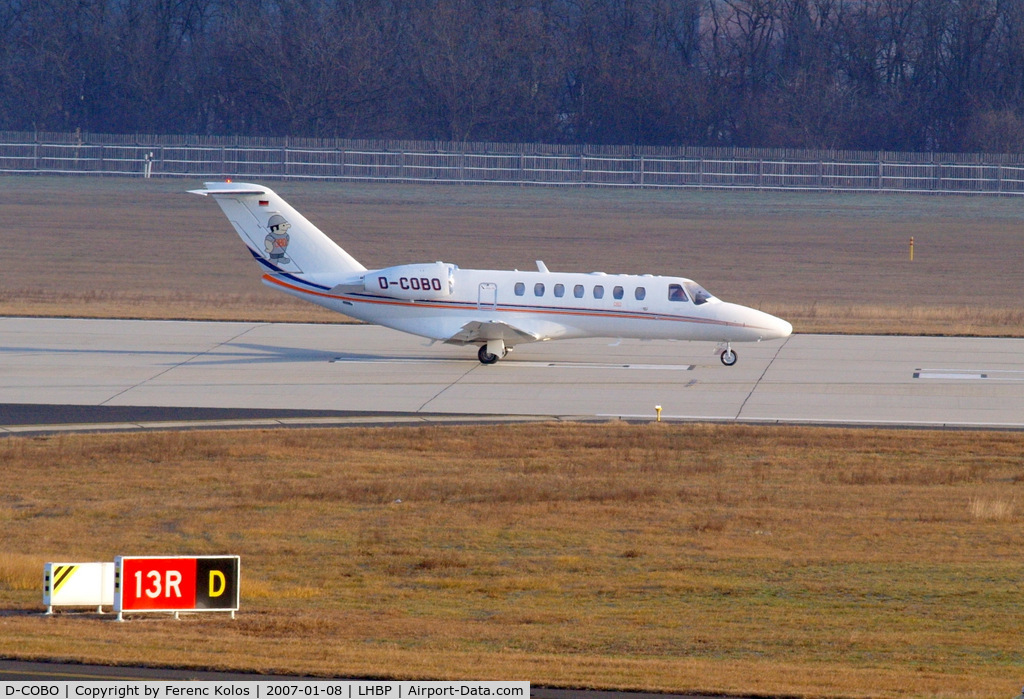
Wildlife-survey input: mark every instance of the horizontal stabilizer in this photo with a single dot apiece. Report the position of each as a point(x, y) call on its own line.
point(227, 190)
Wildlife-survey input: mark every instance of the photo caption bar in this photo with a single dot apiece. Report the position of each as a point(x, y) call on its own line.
point(340, 689)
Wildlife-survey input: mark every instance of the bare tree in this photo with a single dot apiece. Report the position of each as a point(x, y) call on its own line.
point(481, 69)
point(307, 68)
point(872, 74)
point(634, 75)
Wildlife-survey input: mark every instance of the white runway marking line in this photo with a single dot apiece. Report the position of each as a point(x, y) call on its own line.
point(389, 360)
point(581, 365)
point(969, 374)
point(526, 364)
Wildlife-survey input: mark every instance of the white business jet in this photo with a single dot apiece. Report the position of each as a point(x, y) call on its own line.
point(495, 310)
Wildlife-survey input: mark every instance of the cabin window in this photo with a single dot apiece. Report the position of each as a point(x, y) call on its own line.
point(578, 291)
point(640, 293)
point(520, 288)
point(598, 292)
point(538, 289)
point(617, 293)
point(559, 290)
point(676, 293)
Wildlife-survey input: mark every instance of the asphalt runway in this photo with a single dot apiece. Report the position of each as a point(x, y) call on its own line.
point(144, 374)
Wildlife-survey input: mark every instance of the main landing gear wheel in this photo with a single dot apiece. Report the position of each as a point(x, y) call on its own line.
point(728, 356)
point(486, 357)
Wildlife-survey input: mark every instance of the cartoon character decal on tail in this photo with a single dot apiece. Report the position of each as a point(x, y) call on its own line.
point(276, 242)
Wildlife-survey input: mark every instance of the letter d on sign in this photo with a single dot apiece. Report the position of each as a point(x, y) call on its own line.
point(217, 583)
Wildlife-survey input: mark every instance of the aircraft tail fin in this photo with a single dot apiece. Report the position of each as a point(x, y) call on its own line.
point(280, 238)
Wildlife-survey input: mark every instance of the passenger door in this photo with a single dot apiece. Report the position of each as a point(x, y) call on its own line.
point(487, 300)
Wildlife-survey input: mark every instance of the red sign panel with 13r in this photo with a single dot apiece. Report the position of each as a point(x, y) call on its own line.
point(176, 583)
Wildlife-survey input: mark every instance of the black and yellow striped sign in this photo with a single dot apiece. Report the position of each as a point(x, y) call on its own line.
point(78, 584)
point(61, 574)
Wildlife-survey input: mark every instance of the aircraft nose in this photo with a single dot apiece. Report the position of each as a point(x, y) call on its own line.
point(758, 325)
point(779, 328)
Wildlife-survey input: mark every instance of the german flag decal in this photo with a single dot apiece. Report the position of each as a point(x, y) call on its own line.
point(61, 574)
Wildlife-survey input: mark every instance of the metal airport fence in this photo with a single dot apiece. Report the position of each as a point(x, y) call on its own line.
point(510, 164)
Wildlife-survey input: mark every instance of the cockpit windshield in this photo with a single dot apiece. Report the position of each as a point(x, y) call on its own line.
point(697, 293)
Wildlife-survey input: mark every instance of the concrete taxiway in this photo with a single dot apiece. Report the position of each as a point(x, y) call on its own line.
point(351, 372)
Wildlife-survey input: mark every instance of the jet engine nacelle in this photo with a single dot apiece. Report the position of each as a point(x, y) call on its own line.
point(432, 280)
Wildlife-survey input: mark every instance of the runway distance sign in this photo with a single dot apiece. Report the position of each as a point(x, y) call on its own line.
point(176, 584)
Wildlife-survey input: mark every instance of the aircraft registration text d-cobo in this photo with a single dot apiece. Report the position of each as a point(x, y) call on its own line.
point(413, 282)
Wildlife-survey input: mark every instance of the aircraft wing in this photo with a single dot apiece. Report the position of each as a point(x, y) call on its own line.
point(477, 331)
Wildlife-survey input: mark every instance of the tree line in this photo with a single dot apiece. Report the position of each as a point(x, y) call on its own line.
point(914, 75)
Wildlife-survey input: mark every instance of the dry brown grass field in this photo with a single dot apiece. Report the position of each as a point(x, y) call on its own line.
point(829, 263)
point(752, 560)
